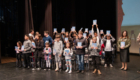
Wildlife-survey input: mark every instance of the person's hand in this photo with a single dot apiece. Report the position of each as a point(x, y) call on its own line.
point(24, 49)
point(92, 26)
point(77, 47)
point(96, 47)
point(96, 25)
point(81, 47)
point(110, 35)
point(54, 54)
point(92, 47)
point(60, 55)
point(122, 47)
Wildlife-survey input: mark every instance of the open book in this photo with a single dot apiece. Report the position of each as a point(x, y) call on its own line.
point(33, 44)
point(66, 39)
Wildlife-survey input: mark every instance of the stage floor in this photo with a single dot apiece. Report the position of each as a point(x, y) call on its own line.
point(8, 71)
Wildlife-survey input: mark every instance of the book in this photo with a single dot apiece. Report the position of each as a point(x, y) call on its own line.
point(33, 44)
point(94, 45)
point(101, 31)
point(22, 48)
point(16, 49)
point(86, 29)
point(90, 32)
point(108, 32)
point(84, 35)
point(73, 28)
point(55, 29)
point(67, 51)
point(122, 44)
point(79, 44)
point(63, 30)
point(54, 51)
point(94, 22)
point(66, 39)
point(81, 29)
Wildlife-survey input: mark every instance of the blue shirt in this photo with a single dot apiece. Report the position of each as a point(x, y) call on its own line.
point(49, 39)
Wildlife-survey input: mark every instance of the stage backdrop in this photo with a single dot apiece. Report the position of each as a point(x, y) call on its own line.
point(128, 18)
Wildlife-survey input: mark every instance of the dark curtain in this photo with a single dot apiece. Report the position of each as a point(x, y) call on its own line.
point(28, 17)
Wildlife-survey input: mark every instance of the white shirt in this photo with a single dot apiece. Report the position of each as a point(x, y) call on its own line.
point(31, 35)
point(108, 46)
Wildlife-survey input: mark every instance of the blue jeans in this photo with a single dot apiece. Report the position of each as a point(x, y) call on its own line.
point(80, 59)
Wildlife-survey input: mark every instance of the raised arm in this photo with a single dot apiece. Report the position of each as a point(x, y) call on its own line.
point(92, 31)
point(113, 39)
point(98, 33)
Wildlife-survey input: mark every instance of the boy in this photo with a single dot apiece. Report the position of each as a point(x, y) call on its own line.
point(32, 33)
point(57, 51)
point(108, 49)
point(80, 51)
point(47, 38)
point(27, 51)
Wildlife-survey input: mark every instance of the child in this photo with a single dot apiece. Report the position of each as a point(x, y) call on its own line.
point(68, 57)
point(94, 52)
point(47, 38)
point(57, 51)
point(19, 53)
point(108, 42)
point(27, 51)
point(80, 51)
point(47, 56)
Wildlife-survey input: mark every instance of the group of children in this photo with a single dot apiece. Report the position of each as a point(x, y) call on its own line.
point(64, 44)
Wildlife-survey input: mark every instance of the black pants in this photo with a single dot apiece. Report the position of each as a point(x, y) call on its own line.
point(18, 56)
point(108, 57)
point(27, 59)
point(38, 58)
point(96, 62)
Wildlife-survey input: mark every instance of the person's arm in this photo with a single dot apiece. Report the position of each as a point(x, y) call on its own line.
point(64, 53)
point(129, 43)
point(50, 40)
point(41, 45)
point(61, 48)
point(85, 45)
point(98, 33)
point(113, 39)
point(90, 46)
point(104, 39)
point(29, 46)
point(92, 31)
point(138, 38)
point(71, 52)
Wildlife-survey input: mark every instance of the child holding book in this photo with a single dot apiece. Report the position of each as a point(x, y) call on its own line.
point(57, 51)
point(19, 53)
point(108, 42)
point(68, 52)
point(80, 45)
point(94, 49)
point(47, 55)
point(27, 51)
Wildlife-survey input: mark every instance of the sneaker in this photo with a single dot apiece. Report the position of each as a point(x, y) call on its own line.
point(67, 70)
point(70, 71)
point(105, 65)
point(78, 71)
point(111, 65)
point(28, 67)
point(38, 68)
point(82, 71)
point(33, 69)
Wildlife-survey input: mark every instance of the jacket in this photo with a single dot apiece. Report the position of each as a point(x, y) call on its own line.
point(27, 46)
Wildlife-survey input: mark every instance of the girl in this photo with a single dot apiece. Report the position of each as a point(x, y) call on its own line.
point(68, 52)
point(38, 50)
point(95, 48)
point(19, 53)
point(124, 50)
point(57, 51)
point(47, 56)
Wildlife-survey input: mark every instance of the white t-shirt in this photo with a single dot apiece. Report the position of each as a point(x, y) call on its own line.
point(31, 35)
point(108, 46)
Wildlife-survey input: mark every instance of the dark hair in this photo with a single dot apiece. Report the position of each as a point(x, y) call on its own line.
point(69, 44)
point(46, 32)
point(20, 44)
point(27, 35)
point(58, 35)
point(31, 38)
point(126, 34)
point(31, 30)
point(39, 35)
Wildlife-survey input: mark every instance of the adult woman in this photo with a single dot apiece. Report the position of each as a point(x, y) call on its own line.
point(124, 50)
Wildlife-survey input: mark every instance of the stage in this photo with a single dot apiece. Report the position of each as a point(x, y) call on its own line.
point(8, 71)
